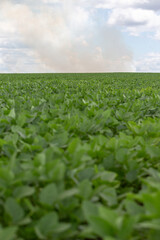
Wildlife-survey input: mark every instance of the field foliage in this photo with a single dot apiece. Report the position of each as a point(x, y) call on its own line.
point(80, 156)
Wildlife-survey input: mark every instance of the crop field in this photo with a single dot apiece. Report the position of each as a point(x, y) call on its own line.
point(80, 156)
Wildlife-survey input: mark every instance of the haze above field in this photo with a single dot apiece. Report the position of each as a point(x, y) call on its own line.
point(79, 36)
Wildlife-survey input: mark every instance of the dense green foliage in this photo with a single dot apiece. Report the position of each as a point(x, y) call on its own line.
point(80, 156)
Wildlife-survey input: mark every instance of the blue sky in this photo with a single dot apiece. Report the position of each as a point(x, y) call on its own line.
point(79, 36)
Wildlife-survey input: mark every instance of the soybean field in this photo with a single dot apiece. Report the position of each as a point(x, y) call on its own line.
point(80, 156)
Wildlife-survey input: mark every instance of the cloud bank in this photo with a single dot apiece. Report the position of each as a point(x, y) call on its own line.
point(60, 36)
point(135, 16)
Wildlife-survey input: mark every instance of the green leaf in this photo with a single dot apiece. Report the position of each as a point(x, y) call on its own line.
point(89, 209)
point(127, 228)
point(62, 227)
point(151, 203)
point(2, 142)
point(6, 177)
point(85, 189)
point(21, 119)
point(49, 194)
point(110, 196)
point(108, 215)
point(19, 130)
point(12, 113)
point(68, 193)
point(46, 225)
point(60, 139)
point(55, 170)
point(8, 233)
point(153, 151)
point(14, 210)
point(133, 208)
point(131, 175)
point(152, 224)
point(121, 155)
point(23, 191)
point(109, 162)
point(109, 238)
point(73, 145)
point(86, 173)
point(107, 176)
point(101, 227)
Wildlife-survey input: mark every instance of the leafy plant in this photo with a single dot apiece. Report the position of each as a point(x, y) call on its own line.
point(79, 156)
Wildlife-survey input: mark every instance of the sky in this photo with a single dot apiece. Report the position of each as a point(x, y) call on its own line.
point(79, 36)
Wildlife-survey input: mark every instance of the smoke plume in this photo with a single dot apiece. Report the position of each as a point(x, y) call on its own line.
point(68, 37)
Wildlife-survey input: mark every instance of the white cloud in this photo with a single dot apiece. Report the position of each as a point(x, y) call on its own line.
point(64, 35)
point(133, 15)
point(50, 1)
point(66, 38)
point(152, 5)
point(135, 20)
point(111, 4)
point(149, 63)
point(144, 4)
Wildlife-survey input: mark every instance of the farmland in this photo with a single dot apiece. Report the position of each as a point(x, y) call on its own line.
point(80, 156)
